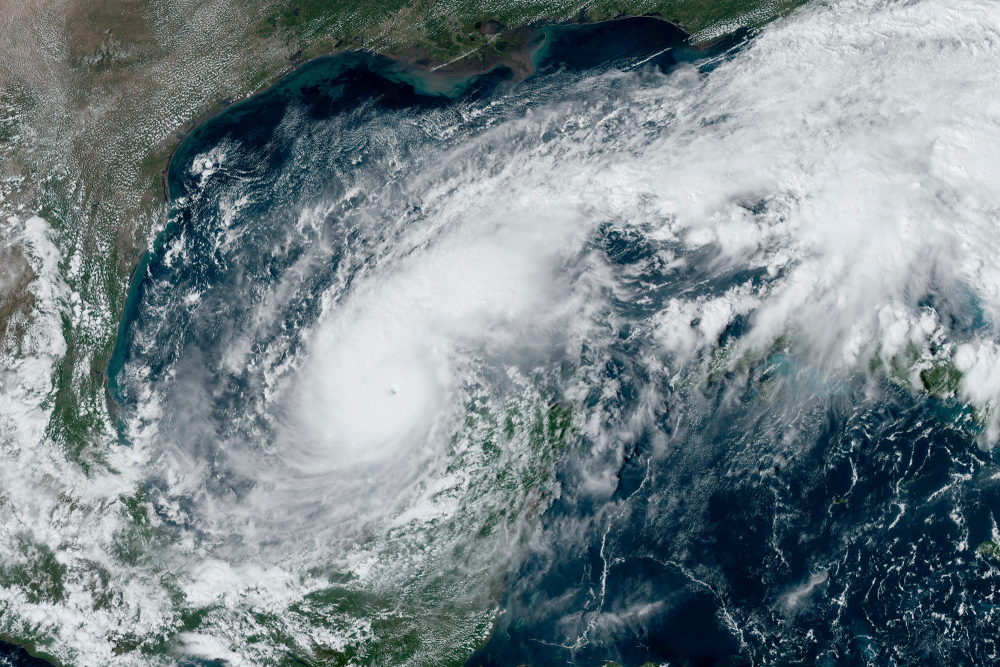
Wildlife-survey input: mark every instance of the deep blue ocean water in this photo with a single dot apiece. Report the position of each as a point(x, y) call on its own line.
point(12, 655)
point(365, 84)
point(808, 524)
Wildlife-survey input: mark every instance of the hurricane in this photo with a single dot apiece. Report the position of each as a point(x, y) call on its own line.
point(654, 354)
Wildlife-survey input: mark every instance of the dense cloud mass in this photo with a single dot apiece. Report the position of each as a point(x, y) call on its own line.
point(400, 357)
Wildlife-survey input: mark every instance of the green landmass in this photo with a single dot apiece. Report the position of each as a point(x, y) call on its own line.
point(95, 95)
point(989, 548)
point(86, 135)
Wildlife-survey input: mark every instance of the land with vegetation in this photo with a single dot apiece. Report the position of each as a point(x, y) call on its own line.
point(95, 95)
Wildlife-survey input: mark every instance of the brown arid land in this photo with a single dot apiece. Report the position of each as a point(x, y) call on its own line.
point(95, 95)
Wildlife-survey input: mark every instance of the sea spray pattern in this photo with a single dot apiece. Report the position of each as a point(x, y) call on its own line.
point(662, 361)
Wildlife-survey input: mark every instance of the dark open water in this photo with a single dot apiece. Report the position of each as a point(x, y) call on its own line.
point(815, 525)
point(12, 655)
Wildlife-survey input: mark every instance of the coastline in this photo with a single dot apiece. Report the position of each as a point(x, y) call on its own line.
point(426, 76)
point(520, 60)
point(468, 64)
point(24, 654)
point(450, 80)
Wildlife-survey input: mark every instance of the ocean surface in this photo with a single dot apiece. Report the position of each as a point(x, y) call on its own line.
point(618, 363)
point(12, 655)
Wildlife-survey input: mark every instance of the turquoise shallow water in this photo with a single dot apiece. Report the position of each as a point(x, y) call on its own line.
point(761, 512)
point(333, 84)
